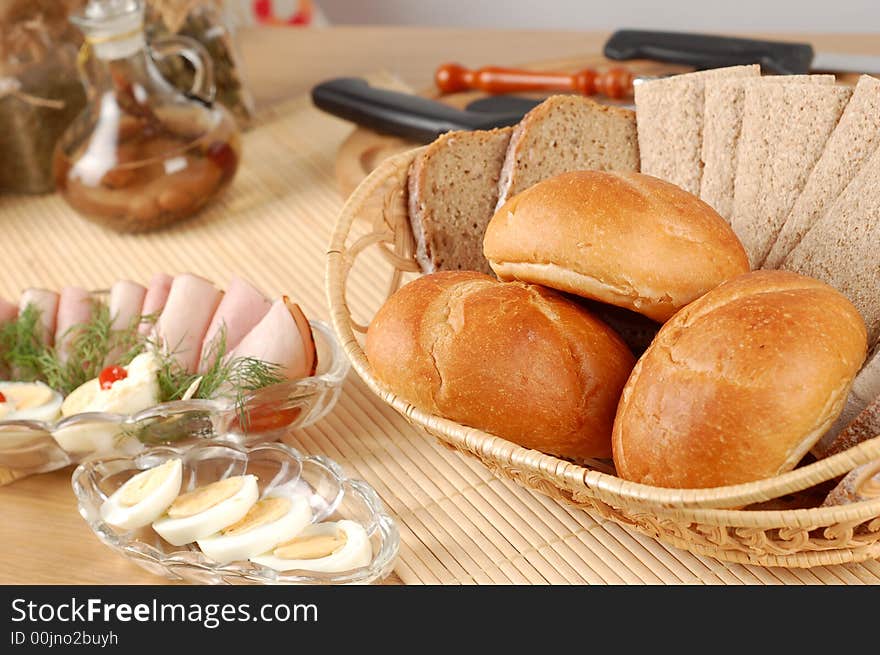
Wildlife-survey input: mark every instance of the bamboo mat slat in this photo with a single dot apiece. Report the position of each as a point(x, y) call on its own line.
point(458, 523)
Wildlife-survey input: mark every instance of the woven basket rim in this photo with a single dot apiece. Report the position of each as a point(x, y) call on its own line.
point(715, 503)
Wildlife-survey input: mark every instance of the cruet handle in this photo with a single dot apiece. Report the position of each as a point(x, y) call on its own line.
point(195, 53)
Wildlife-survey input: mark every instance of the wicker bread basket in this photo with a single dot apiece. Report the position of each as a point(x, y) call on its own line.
point(373, 236)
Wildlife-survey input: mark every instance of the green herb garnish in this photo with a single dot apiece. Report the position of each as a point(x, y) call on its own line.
point(22, 347)
point(237, 375)
point(90, 347)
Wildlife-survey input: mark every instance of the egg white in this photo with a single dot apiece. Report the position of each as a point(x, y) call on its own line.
point(356, 553)
point(228, 548)
point(147, 510)
point(186, 529)
point(46, 411)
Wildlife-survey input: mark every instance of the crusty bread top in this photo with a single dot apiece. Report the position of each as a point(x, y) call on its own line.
point(453, 186)
point(855, 138)
point(841, 248)
point(516, 360)
point(670, 124)
point(623, 238)
point(785, 128)
point(722, 125)
point(568, 133)
point(739, 384)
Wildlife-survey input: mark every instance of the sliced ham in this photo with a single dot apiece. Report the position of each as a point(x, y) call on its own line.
point(47, 303)
point(283, 338)
point(155, 298)
point(242, 307)
point(126, 303)
point(8, 311)
point(74, 308)
point(181, 328)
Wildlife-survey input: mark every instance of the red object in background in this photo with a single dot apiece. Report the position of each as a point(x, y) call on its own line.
point(2, 398)
point(614, 83)
point(110, 375)
point(265, 12)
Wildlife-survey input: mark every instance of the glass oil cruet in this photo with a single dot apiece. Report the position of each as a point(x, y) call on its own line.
point(142, 154)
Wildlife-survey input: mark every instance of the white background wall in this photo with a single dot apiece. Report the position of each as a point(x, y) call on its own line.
point(732, 15)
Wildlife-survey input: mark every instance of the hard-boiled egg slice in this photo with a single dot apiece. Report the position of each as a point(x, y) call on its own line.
point(29, 401)
point(268, 523)
point(207, 510)
point(144, 498)
point(137, 391)
point(323, 547)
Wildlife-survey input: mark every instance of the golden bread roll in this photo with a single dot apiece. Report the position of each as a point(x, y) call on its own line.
point(625, 239)
point(516, 360)
point(740, 384)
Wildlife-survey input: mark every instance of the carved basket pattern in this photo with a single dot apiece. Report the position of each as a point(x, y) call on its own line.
point(704, 521)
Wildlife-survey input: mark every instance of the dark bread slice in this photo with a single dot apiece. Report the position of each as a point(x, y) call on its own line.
point(453, 186)
point(568, 133)
point(855, 138)
point(784, 131)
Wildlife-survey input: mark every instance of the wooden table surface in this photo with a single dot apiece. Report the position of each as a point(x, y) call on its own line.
point(43, 538)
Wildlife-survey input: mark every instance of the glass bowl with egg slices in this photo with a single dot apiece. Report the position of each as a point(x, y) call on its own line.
point(228, 514)
point(41, 430)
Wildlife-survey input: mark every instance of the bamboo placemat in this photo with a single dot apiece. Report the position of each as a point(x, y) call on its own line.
point(458, 523)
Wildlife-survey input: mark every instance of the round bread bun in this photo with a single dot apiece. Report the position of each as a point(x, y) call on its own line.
point(625, 239)
point(740, 384)
point(512, 359)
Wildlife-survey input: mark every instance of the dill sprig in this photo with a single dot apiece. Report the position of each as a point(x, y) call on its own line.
point(225, 376)
point(89, 348)
point(22, 347)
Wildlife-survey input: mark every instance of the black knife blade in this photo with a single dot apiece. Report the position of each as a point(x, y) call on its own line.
point(401, 114)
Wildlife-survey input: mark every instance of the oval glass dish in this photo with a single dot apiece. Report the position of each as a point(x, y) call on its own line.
point(28, 447)
point(331, 495)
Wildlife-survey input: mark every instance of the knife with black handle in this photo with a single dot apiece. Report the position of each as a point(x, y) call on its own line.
point(708, 51)
point(401, 114)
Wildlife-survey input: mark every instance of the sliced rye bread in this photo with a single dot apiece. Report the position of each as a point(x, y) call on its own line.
point(785, 128)
point(453, 186)
point(841, 248)
point(670, 124)
point(855, 138)
point(568, 133)
point(722, 125)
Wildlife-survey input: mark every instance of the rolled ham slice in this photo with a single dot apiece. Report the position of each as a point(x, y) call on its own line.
point(284, 338)
point(47, 303)
point(8, 311)
point(155, 298)
point(74, 308)
point(126, 303)
point(181, 328)
point(242, 307)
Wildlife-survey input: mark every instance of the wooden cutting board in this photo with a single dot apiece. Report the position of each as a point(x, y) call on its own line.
point(364, 149)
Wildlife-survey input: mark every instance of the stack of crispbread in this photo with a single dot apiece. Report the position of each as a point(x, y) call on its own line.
point(794, 164)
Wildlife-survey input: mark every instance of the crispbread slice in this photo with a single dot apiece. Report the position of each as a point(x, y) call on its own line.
point(722, 124)
point(670, 124)
point(784, 130)
point(453, 186)
point(855, 138)
point(841, 247)
point(568, 133)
